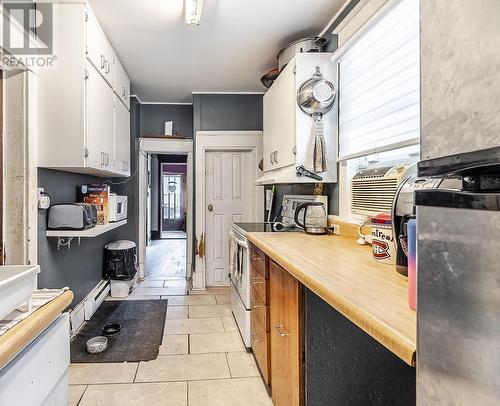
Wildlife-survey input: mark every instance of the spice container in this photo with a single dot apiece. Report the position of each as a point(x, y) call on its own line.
point(382, 239)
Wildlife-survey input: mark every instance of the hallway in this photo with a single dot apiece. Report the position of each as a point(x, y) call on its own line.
point(202, 362)
point(166, 260)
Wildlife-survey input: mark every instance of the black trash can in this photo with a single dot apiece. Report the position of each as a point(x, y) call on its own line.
point(120, 260)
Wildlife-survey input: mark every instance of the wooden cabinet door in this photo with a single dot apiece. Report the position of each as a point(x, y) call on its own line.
point(122, 138)
point(286, 342)
point(99, 119)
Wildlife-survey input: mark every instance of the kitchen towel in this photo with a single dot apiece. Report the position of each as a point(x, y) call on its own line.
point(319, 149)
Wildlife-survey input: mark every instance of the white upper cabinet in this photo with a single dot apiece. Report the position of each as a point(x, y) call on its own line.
point(83, 110)
point(288, 131)
point(98, 49)
point(122, 83)
point(122, 138)
point(100, 122)
point(279, 122)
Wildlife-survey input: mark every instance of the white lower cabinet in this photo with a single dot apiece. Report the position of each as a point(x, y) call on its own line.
point(38, 376)
point(84, 127)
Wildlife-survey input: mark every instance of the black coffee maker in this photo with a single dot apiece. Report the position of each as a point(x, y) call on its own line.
point(403, 210)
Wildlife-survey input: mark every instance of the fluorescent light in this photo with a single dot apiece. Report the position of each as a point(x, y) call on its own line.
point(192, 10)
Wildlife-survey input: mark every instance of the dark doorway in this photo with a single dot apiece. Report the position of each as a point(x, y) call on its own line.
point(172, 199)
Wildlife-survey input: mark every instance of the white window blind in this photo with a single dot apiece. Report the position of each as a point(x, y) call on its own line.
point(379, 85)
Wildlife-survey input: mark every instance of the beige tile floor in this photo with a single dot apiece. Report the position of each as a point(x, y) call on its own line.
point(202, 361)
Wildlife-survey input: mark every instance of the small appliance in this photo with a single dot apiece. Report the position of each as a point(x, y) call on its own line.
point(289, 207)
point(403, 210)
point(315, 218)
point(373, 190)
point(117, 207)
point(72, 216)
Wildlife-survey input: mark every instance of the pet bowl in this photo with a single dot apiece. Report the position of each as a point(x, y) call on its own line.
point(97, 344)
point(111, 330)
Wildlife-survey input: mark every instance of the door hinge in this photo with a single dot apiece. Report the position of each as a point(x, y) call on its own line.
point(86, 74)
point(86, 152)
point(294, 150)
point(86, 17)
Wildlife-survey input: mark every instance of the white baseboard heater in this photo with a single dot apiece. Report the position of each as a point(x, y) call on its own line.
point(88, 306)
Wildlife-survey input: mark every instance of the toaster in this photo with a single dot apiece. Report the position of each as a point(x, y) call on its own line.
point(72, 216)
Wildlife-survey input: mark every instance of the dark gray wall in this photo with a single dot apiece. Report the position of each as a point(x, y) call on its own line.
point(153, 117)
point(81, 268)
point(227, 112)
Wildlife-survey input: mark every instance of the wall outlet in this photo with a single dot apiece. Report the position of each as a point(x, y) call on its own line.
point(335, 229)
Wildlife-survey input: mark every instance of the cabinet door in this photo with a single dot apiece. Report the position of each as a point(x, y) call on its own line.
point(122, 138)
point(122, 83)
point(99, 50)
point(279, 121)
point(286, 342)
point(99, 119)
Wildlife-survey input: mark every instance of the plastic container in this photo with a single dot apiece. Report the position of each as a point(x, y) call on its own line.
point(383, 246)
point(121, 289)
point(412, 264)
point(17, 284)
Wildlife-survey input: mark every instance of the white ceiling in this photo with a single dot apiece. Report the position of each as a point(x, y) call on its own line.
point(233, 47)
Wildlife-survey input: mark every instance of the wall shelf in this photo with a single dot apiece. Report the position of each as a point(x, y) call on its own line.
point(64, 237)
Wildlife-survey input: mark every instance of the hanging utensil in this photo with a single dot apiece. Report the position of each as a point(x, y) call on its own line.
point(316, 97)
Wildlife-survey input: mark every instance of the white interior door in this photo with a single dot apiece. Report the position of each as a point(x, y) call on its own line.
point(228, 199)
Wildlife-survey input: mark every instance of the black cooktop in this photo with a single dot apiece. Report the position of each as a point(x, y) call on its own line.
point(261, 228)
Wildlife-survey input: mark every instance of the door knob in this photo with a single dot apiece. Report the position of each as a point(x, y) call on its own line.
point(210, 207)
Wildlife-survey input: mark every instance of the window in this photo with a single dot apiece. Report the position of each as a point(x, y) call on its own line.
point(379, 85)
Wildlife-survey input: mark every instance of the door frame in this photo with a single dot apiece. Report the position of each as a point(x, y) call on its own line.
point(210, 141)
point(169, 147)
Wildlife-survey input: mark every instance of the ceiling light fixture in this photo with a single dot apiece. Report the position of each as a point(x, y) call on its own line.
point(192, 10)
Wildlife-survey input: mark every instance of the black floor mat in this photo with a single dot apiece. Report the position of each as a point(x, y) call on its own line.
point(142, 323)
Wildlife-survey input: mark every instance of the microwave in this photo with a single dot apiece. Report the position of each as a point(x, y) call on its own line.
point(117, 207)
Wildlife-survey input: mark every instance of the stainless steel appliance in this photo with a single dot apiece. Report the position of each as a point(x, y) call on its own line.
point(403, 209)
point(117, 207)
point(239, 257)
point(315, 220)
point(458, 277)
point(308, 44)
point(72, 216)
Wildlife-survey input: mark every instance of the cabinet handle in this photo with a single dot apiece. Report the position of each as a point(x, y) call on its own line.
point(271, 158)
point(254, 257)
point(255, 306)
point(102, 158)
point(254, 339)
point(123, 91)
point(107, 158)
point(108, 66)
point(103, 61)
point(256, 281)
point(281, 331)
point(275, 156)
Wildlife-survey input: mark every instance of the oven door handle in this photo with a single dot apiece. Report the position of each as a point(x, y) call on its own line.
point(242, 243)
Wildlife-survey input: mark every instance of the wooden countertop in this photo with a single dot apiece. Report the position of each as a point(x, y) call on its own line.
point(372, 295)
point(19, 336)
